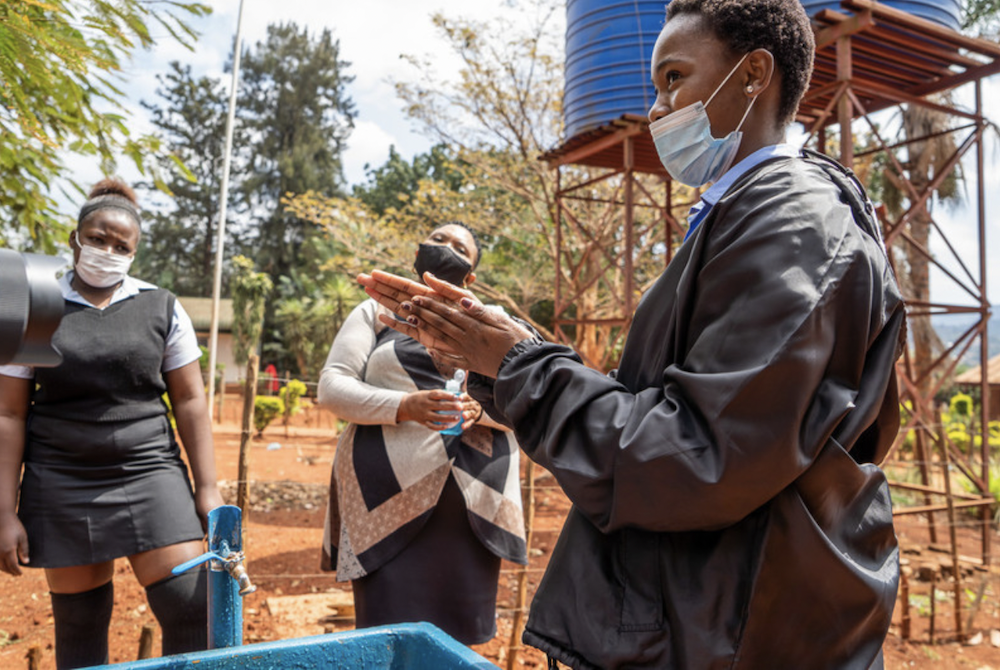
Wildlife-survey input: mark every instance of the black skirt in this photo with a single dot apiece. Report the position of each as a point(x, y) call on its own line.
point(444, 576)
point(92, 492)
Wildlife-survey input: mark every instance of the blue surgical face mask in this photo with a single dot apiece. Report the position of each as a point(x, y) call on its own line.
point(685, 144)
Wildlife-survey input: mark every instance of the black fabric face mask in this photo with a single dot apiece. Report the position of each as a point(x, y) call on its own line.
point(441, 262)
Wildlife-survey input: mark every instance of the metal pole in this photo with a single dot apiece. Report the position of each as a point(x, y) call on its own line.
point(628, 151)
point(213, 343)
point(557, 320)
point(845, 108)
point(984, 341)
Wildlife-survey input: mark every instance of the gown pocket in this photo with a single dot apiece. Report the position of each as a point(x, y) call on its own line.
point(642, 597)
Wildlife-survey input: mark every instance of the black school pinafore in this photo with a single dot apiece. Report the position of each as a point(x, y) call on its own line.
point(103, 477)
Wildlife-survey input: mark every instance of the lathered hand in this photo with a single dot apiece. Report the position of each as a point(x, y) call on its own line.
point(447, 319)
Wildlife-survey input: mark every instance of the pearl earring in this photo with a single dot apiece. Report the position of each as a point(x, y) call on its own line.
point(749, 89)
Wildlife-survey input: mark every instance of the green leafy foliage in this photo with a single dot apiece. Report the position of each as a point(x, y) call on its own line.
point(294, 118)
point(393, 184)
point(295, 110)
point(265, 410)
point(61, 91)
point(250, 292)
point(310, 314)
point(179, 233)
point(982, 17)
point(220, 368)
point(961, 407)
point(963, 430)
point(291, 395)
point(962, 427)
point(170, 410)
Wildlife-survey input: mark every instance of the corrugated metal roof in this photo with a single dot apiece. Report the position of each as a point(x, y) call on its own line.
point(200, 311)
point(974, 375)
point(894, 55)
point(604, 147)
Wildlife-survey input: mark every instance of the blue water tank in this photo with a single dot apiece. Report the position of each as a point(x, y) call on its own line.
point(947, 13)
point(609, 44)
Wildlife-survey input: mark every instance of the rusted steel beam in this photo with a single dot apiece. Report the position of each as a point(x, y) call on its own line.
point(843, 26)
point(615, 138)
point(923, 509)
point(906, 486)
point(984, 382)
point(905, 143)
point(926, 28)
point(970, 75)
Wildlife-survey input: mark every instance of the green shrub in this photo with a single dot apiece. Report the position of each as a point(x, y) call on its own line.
point(170, 410)
point(290, 394)
point(961, 407)
point(220, 369)
point(907, 473)
point(910, 435)
point(959, 436)
point(963, 437)
point(265, 410)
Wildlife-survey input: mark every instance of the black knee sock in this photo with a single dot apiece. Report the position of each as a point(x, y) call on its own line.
point(82, 621)
point(180, 604)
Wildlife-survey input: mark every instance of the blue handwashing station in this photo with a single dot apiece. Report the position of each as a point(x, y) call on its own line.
point(410, 646)
point(413, 646)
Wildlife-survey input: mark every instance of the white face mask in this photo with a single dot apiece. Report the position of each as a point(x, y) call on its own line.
point(685, 144)
point(101, 269)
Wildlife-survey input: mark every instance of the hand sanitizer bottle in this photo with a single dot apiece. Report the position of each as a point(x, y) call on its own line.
point(454, 385)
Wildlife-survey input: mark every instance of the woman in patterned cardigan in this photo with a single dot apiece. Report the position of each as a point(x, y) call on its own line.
point(418, 520)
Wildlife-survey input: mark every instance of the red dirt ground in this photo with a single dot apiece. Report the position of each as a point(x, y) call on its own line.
point(284, 531)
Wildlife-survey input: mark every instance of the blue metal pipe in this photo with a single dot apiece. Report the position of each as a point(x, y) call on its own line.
point(225, 604)
point(225, 609)
point(227, 578)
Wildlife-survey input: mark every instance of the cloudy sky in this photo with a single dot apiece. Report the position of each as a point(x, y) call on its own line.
point(374, 33)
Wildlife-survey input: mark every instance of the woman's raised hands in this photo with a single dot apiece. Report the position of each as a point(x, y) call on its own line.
point(448, 319)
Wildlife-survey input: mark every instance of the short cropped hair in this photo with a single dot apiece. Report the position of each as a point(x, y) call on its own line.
point(780, 26)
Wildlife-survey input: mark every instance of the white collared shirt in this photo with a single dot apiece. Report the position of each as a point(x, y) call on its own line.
point(711, 196)
point(182, 343)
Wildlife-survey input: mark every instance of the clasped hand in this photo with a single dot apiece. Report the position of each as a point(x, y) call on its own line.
point(446, 319)
point(438, 409)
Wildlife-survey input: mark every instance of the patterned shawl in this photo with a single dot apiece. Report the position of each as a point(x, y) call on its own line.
point(387, 477)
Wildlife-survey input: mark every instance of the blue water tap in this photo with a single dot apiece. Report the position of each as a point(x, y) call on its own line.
point(228, 580)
